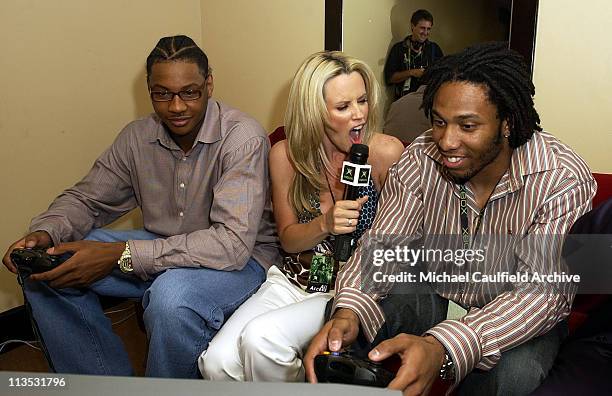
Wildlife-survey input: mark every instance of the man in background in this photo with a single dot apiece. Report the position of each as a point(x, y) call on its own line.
point(409, 58)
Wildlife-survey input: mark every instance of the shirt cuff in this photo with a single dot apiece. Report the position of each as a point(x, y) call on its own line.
point(370, 314)
point(56, 238)
point(142, 258)
point(461, 343)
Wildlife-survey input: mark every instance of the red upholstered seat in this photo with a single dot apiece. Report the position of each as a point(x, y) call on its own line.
point(277, 135)
point(604, 188)
point(585, 303)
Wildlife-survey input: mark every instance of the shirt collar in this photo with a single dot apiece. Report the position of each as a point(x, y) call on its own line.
point(408, 40)
point(210, 131)
point(532, 157)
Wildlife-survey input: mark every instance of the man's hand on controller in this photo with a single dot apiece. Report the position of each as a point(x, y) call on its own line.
point(39, 239)
point(421, 357)
point(339, 332)
point(90, 262)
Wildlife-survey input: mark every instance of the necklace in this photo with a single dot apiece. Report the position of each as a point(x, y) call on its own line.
point(465, 228)
point(330, 189)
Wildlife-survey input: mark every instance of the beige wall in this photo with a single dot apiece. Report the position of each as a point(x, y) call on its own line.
point(572, 75)
point(367, 34)
point(371, 28)
point(73, 74)
point(255, 52)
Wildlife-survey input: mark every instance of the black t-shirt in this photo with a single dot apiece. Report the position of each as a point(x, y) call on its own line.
point(403, 57)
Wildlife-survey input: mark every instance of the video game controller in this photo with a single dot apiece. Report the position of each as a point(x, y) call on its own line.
point(35, 260)
point(343, 368)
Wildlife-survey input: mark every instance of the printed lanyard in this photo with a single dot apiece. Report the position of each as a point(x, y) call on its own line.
point(463, 215)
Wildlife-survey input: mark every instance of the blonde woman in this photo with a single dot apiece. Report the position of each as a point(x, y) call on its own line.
point(333, 103)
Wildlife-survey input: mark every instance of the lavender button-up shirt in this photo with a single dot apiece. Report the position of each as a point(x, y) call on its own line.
point(210, 206)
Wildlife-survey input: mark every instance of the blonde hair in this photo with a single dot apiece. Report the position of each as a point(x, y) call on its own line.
point(306, 116)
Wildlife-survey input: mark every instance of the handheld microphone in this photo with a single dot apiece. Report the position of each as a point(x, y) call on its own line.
point(355, 173)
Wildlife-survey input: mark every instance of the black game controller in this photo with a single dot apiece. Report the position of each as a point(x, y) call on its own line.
point(343, 368)
point(35, 260)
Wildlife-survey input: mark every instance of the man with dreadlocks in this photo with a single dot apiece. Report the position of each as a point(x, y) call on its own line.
point(487, 154)
point(198, 171)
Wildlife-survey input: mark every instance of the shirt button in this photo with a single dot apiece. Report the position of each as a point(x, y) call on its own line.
point(182, 185)
point(181, 214)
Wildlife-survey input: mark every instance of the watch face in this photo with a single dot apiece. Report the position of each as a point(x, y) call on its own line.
point(125, 261)
point(447, 371)
point(126, 265)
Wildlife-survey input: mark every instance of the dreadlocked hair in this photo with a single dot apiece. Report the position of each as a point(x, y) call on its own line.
point(175, 49)
point(505, 75)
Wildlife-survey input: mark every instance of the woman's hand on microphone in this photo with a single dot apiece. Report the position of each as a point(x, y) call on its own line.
point(342, 217)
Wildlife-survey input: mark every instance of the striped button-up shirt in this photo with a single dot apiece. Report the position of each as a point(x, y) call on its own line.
point(210, 206)
point(546, 188)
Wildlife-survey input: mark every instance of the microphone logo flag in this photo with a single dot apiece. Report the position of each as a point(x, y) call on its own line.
point(355, 175)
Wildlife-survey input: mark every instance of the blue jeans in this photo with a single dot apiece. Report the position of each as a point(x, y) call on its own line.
point(183, 309)
point(520, 369)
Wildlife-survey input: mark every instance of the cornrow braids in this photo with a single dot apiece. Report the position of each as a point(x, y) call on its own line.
point(505, 75)
point(178, 48)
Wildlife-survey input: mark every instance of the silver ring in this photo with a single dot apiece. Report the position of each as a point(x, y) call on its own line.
point(350, 222)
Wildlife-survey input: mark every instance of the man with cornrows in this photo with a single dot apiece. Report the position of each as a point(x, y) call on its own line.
point(198, 170)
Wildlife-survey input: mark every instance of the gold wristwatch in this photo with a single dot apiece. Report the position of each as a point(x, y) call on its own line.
point(125, 261)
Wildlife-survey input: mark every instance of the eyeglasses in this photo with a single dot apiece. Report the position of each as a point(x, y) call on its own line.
point(186, 95)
